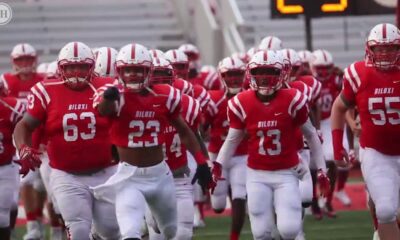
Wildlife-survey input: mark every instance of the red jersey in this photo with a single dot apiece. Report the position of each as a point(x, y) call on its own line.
point(329, 91)
point(78, 137)
point(217, 118)
point(315, 87)
point(175, 151)
point(19, 88)
point(306, 91)
point(377, 97)
point(183, 86)
point(11, 110)
point(209, 80)
point(270, 126)
point(141, 119)
point(200, 94)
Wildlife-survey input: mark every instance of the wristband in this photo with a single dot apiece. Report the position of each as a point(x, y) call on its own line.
point(337, 140)
point(200, 158)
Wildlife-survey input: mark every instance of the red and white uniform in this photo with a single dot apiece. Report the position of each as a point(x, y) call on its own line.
point(11, 111)
point(140, 123)
point(270, 127)
point(273, 163)
point(315, 86)
point(376, 95)
point(19, 88)
point(235, 172)
point(79, 150)
point(183, 86)
point(72, 125)
point(200, 94)
point(175, 151)
point(209, 80)
point(329, 91)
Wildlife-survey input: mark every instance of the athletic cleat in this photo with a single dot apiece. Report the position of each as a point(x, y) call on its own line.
point(301, 236)
point(329, 212)
point(316, 210)
point(343, 197)
point(376, 235)
point(33, 231)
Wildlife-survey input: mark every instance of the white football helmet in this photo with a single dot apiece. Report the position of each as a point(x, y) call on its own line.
point(52, 70)
point(295, 62)
point(163, 72)
point(244, 57)
point(105, 62)
point(179, 61)
point(322, 64)
point(24, 58)
point(41, 68)
point(134, 66)
point(156, 53)
point(267, 70)
point(232, 71)
point(383, 46)
point(76, 64)
point(193, 54)
point(270, 43)
point(305, 56)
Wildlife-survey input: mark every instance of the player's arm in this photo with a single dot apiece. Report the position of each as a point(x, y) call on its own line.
point(338, 115)
point(188, 138)
point(315, 145)
point(28, 157)
point(232, 141)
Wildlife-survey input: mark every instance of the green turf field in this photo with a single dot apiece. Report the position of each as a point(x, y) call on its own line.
point(348, 226)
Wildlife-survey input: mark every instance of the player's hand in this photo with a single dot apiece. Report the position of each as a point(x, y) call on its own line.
point(343, 160)
point(203, 177)
point(323, 182)
point(111, 94)
point(217, 174)
point(29, 160)
point(301, 170)
point(352, 156)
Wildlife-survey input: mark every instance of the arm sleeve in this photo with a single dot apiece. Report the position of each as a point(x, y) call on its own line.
point(228, 149)
point(38, 100)
point(315, 145)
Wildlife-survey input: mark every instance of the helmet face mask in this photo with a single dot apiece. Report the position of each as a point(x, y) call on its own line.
point(76, 74)
point(323, 72)
point(162, 75)
point(233, 80)
point(384, 55)
point(181, 69)
point(24, 64)
point(134, 76)
point(267, 79)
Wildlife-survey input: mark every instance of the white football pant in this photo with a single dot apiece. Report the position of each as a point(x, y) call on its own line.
point(305, 184)
point(9, 175)
point(45, 170)
point(79, 208)
point(152, 185)
point(327, 145)
point(382, 175)
point(234, 175)
point(269, 190)
point(184, 199)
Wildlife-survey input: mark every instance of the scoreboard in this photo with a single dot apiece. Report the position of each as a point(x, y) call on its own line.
point(320, 8)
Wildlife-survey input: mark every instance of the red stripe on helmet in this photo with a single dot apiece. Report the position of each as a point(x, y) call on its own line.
point(133, 51)
point(265, 56)
point(174, 54)
point(155, 54)
point(158, 61)
point(270, 43)
point(23, 48)
point(288, 54)
point(233, 62)
point(75, 49)
point(384, 31)
point(108, 61)
point(324, 55)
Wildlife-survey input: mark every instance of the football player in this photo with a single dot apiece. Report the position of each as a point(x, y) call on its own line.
point(373, 87)
point(143, 176)
point(323, 70)
point(175, 152)
point(78, 146)
point(231, 71)
point(270, 115)
point(17, 84)
point(11, 110)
